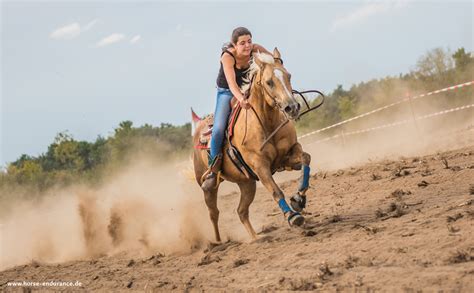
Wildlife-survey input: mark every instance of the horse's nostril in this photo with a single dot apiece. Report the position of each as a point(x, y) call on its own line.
point(287, 109)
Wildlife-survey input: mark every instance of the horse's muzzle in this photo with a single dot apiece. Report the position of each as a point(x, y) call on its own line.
point(292, 110)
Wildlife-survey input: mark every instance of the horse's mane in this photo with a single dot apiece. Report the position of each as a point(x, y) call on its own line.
point(254, 69)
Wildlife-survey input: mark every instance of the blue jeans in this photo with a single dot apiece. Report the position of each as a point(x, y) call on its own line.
point(221, 116)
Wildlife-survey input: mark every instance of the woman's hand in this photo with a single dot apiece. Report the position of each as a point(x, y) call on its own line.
point(244, 103)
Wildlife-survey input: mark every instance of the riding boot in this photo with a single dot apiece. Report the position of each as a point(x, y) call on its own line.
point(210, 181)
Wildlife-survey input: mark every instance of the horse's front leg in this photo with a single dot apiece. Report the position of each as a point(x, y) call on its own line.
point(299, 160)
point(265, 175)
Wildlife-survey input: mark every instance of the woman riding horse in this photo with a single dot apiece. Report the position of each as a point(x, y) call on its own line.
point(235, 60)
point(265, 135)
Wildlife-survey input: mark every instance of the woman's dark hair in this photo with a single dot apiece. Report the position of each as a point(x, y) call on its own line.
point(236, 33)
point(240, 31)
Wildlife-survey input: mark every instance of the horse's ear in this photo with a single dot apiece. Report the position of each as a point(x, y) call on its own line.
point(276, 53)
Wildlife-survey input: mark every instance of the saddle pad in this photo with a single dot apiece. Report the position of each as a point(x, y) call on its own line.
point(205, 135)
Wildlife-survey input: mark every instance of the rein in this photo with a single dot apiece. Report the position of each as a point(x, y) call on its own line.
point(283, 123)
point(299, 116)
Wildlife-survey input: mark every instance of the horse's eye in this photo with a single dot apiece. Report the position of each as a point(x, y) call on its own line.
point(289, 76)
point(270, 83)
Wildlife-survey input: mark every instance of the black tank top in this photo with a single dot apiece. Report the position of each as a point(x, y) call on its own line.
point(239, 73)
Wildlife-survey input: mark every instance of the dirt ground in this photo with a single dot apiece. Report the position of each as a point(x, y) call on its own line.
point(402, 225)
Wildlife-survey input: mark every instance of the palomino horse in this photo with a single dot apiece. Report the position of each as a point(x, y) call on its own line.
point(273, 102)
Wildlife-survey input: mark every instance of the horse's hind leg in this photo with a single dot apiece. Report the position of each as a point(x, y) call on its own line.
point(211, 202)
point(247, 195)
point(300, 160)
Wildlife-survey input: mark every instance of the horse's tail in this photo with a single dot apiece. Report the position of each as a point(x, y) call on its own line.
point(195, 120)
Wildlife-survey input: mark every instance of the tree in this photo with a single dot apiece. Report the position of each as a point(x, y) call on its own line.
point(433, 63)
point(462, 59)
point(346, 107)
point(68, 156)
point(27, 172)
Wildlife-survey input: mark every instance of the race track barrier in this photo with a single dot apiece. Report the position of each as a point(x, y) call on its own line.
point(394, 123)
point(458, 86)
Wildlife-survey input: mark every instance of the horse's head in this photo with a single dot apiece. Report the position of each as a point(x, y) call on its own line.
point(276, 84)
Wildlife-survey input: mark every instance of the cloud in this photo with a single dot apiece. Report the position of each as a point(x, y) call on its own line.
point(366, 11)
point(135, 39)
point(113, 38)
point(71, 31)
point(66, 32)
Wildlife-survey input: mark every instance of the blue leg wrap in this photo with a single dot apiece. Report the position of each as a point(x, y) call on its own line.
point(305, 180)
point(284, 206)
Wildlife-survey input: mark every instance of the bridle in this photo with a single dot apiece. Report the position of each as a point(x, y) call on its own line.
point(278, 105)
point(259, 82)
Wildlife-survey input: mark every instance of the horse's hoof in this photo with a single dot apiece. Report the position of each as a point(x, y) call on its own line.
point(298, 202)
point(295, 219)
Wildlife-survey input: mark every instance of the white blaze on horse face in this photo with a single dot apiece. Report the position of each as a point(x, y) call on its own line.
point(279, 74)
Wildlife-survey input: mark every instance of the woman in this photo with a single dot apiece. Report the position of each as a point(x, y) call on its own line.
point(235, 60)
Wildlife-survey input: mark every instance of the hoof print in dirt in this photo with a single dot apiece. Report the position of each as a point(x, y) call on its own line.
point(369, 230)
point(380, 213)
point(375, 177)
point(454, 218)
point(131, 263)
point(300, 284)
point(400, 172)
point(335, 219)
point(452, 229)
point(155, 259)
point(426, 172)
point(208, 259)
point(268, 229)
point(462, 255)
point(394, 210)
point(215, 247)
point(398, 193)
point(471, 189)
point(351, 261)
point(324, 271)
point(240, 262)
point(423, 184)
point(264, 239)
point(309, 233)
point(130, 284)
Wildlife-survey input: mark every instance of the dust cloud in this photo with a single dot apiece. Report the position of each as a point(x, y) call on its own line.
point(143, 209)
point(413, 138)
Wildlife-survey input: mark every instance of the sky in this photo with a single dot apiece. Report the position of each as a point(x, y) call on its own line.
point(85, 66)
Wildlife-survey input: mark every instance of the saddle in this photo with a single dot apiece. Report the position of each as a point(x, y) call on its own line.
point(205, 135)
point(204, 141)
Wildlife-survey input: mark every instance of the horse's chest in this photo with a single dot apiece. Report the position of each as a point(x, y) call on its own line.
point(282, 147)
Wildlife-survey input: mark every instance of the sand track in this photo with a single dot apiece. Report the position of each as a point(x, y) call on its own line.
point(402, 225)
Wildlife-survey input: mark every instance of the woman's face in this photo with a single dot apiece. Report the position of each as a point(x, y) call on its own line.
point(244, 45)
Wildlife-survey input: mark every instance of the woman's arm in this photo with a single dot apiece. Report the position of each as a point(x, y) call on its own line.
point(228, 65)
point(261, 49)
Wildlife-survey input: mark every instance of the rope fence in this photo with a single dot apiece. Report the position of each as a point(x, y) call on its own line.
point(394, 124)
point(458, 86)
